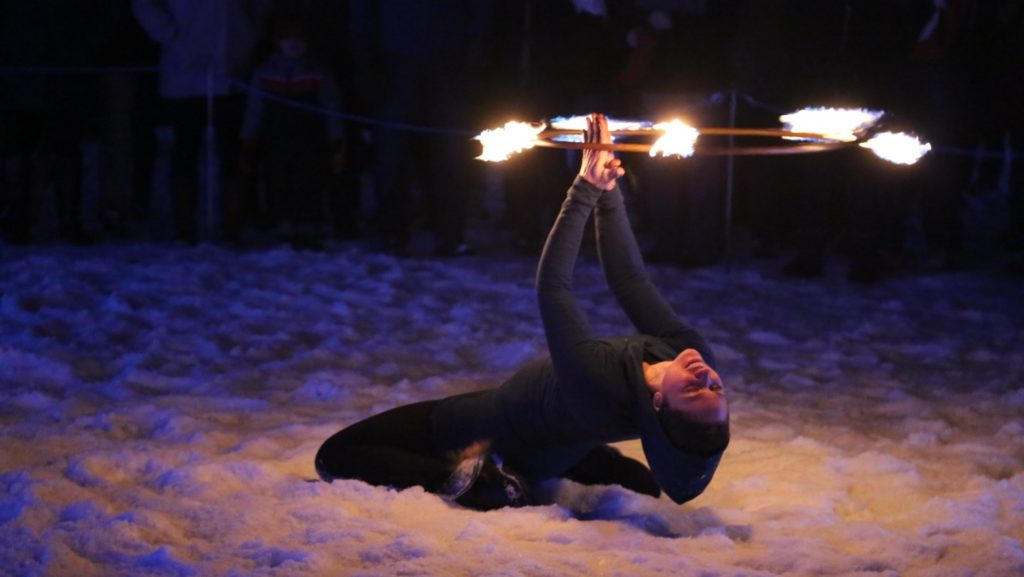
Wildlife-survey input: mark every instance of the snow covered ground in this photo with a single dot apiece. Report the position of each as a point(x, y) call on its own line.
point(160, 409)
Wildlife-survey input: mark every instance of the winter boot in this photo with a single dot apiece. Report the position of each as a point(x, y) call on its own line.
point(497, 486)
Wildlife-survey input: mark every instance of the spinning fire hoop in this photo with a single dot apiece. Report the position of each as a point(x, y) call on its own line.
point(809, 130)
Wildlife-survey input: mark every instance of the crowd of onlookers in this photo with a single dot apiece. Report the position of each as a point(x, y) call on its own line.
point(352, 119)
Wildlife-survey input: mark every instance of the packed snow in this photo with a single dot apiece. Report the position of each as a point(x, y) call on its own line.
point(160, 408)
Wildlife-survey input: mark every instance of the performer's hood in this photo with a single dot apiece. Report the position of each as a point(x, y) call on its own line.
point(680, 474)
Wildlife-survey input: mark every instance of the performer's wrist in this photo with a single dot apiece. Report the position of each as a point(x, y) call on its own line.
point(585, 185)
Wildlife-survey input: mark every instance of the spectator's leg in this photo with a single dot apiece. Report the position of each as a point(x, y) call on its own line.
point(188, 118)
point(145, 106)
point(117, 153)
point(399, 165)
point(18, 146)
point(18, 189)
point(237, 209)
point(452, 162)
point(65, 135)
point(345, 187)
point(392, 187)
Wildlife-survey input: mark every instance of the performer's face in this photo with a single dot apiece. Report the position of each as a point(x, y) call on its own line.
point(690, 386)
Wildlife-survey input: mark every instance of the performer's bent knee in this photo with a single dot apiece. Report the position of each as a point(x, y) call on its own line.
point(325, 465)
point(337, 457)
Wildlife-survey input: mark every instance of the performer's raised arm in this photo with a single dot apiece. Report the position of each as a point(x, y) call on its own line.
point(627, 277)
point(570, 339)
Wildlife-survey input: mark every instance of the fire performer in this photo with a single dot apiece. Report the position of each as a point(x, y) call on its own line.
point(555, 417)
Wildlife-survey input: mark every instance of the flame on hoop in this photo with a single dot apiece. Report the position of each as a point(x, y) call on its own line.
point(501, 143)
point(678, 139)
point(580, 123)
point(897, 147)
point(839, 124)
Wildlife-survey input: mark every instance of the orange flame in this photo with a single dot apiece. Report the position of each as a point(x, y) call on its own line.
point(897, 147)
point(839, 124)
point(501, 143)
point(677, 139)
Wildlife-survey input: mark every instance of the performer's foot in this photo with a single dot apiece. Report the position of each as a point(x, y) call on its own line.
point(496, 486)
point(464, 476)
point(605, 465)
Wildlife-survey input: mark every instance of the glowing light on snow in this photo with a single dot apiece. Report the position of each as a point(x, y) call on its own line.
point(678, 139)
point(501, 143)
point(897, 147)
point(840, 124)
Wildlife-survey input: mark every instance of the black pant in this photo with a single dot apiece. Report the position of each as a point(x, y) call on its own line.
point(395, 448)
point(419, 93)
point(57, 136)
point(188, 116)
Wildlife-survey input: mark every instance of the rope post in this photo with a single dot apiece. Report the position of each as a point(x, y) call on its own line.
point(211, 192)
point(729, 175)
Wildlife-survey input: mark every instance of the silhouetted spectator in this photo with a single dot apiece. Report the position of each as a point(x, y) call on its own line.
point(789, 54)
point(129, 133)
point(206, 48)
point(1012, 95)
point(412, 60)
point(297, 147)
point(328, 23)
point(998, 62)
point(852, 55)
point(678, 57)
point(935, 82)
point(558, 58)
point(46, 112)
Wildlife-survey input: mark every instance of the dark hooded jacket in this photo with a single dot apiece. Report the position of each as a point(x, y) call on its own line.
point(590, 391)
